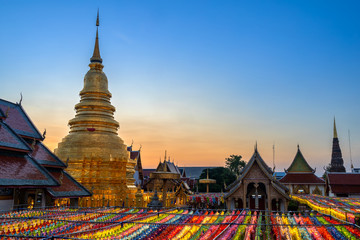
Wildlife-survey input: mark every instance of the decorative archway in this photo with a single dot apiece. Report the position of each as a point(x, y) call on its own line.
point(256, 196)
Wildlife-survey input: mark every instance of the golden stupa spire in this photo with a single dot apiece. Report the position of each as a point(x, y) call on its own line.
point(93, 145)
point(96, 55)
point(335, 132)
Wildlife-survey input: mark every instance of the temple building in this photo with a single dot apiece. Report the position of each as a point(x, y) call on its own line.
point(96, 155)
point(136, 156)
point(339, 183)
point(343, 184)
point(300, 178)
point(170, 183)
point(257, 188)
point(30, 174)
point(337, 162)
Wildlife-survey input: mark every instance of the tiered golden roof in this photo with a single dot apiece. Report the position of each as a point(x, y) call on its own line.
point(96, 155)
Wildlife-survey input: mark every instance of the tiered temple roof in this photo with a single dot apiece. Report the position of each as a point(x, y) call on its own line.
point(299, 164)
point(9, 140)
point(25, 161)
point(20, 170)
point(170, 167)
point(300, 172)
point(69, 186)
point(19, 121)
point(45, 157)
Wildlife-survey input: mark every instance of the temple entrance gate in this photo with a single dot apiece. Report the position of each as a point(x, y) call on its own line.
point(256, 196)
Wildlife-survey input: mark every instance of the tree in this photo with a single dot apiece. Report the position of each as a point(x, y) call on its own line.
point(221, 175)
point(235, 164)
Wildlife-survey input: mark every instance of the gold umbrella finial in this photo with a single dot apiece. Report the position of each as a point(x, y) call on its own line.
point(96, 55)
point(335, 132)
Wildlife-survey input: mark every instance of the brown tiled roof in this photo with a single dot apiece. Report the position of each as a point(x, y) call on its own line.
point(344, 178)
point(18, 120)
point(170, 167)
point(69, 186)
point(347, 189)
point(21, 170)
point(301, 178)
point(10, 140)
point(348, 183)
point(22, 166)
point(45, 157)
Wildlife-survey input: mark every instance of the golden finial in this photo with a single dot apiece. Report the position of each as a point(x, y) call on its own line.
point(97, 18)
point(96, 55)
point(335, 132)
point(164, 167)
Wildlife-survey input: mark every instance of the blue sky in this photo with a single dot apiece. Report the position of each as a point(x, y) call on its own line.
point(202, 79)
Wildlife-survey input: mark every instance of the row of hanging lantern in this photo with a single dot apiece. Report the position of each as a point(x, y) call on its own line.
point(347, 209)
point(131, 223)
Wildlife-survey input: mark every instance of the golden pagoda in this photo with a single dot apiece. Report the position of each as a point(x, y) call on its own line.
point(96, 155)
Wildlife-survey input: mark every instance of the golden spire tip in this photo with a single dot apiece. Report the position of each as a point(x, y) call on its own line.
point(97, 18)
point(96, 55)
point(335, 132)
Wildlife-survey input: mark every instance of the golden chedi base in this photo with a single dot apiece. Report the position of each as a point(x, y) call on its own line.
point(101, 163)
